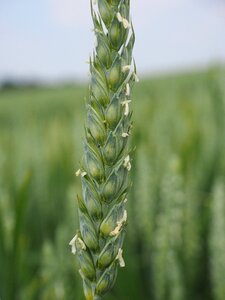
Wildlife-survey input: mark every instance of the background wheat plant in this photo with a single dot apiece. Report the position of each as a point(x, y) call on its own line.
point(106, 162)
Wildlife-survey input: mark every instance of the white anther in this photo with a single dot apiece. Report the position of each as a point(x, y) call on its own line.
point(116, 231)
point(124, 21)
point(80, 173)
point(124, 218)
point(126, 68)
point(119, 17)
point(119, 257)
point(97, 30)
point(127, 163)
point(120, 223)
point(127, 89)
point(125, 134)
point(95, 2)
point(72, 244)
point(126, 105)
point(81, 244)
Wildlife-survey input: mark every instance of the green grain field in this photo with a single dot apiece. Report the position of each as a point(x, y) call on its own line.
point(175, 244)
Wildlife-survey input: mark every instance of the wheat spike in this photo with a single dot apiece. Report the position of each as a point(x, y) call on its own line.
point(106, 162)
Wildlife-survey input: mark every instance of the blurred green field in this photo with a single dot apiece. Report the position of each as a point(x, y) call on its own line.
point(174, 249)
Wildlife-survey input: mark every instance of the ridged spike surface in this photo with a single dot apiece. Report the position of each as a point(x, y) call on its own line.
point(106, 163)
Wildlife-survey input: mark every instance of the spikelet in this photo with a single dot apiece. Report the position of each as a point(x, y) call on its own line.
point(106, 162)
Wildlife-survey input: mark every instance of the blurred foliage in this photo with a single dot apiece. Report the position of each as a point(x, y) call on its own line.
point(175, 244)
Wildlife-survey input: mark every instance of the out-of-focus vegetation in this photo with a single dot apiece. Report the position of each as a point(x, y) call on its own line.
point(175, 245)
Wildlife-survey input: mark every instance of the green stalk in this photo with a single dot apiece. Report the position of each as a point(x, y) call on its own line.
point(106, 162)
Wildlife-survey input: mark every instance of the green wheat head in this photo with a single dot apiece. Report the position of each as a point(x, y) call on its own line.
point(106, 162)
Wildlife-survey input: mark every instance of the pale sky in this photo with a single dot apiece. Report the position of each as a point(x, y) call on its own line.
point(52, 39)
